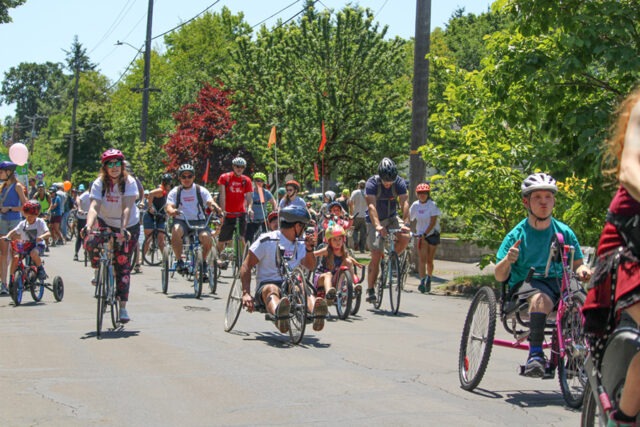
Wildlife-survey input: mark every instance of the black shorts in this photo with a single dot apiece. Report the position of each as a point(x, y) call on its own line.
point(258, 296)
point(433, 239)
point(185, 228)
point(550, 287)
point(229, 226)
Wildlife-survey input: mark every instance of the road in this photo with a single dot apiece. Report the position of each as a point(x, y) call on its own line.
point(173, 364)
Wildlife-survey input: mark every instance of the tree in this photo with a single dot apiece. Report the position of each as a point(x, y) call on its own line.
point(5, 5)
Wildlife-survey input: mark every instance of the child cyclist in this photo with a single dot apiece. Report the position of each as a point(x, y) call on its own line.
point(332, 257)
point(28, 237)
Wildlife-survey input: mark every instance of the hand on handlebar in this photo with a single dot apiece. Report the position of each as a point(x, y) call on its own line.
point(583, 272)
point(247, 302)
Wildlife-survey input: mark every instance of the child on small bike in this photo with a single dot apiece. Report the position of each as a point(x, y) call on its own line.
point(332, 257)
point(28, 237)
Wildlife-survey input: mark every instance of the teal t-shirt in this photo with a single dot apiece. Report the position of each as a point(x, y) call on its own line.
point(534, 249)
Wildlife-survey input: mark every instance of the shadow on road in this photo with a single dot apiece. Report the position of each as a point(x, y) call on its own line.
point(111, 334)
point(525, 398)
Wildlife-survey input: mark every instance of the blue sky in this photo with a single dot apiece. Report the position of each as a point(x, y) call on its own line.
point(42, 29)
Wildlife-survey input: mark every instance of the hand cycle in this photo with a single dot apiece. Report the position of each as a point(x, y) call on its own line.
point(568, 343)
point(293, 287)
point(105, 291)
point(26, 277)
point(393, 271)
point(151, 251)
point(196, 266)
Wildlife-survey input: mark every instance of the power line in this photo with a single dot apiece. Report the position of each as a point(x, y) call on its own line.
point(186, 22)
point(380, 9)
point(277, 13)
point(294, 16)
point(117, 21)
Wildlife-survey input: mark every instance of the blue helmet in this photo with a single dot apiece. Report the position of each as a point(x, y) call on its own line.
point(8, 166)
point(81, 187)
point(293, 214)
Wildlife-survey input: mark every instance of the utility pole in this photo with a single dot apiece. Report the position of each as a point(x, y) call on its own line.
point(73, 119)
point(419, 112)
point(33, 131)
point(146, 78)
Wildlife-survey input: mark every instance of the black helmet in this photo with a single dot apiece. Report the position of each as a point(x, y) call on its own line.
point(293, 214)
point(6, 165)
point(166, 177)
point(387, 170)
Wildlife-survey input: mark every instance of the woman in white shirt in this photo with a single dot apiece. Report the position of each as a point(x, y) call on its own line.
point(427, 214)
point(113, 196)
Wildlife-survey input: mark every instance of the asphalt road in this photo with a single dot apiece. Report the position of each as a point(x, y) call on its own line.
point(173, 364)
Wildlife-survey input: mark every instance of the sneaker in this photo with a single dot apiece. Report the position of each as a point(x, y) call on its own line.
point(46, 248)
point(4, 290)
point(427, 285)
point(614, 422)
point(75, 257)
point(180, 267)
point(535, 366)
point(124, 316)
point(42, 275)
point(282, 315)
point(421, 287)
point(320, 311)
point(331, 296)
point(371, 295)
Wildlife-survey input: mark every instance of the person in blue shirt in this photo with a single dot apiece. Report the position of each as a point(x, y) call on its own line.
point(55, 216)
point(261, 198)
point(527, 245)
point(384, 193)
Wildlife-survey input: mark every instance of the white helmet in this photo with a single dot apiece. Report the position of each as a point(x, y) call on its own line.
point(538, 181)
point(330, 195)
point(239, 161)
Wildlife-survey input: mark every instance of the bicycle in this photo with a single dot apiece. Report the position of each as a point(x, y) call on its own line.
point(393, 272)
point(151, 252)
point(294, 287)
point(71, 225)
point(195, 265)
point(26, 277)
point(238, 250)
point(568, 344)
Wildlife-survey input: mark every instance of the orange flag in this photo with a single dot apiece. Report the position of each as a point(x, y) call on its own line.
point(315, 172)
point(324, 139)
point(272, 137)
point(205, 177)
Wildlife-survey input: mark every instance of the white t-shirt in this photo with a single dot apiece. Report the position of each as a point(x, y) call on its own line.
point(28, 231)
point(359, 203)
point(265, 250)
point(422, 212)
point(111, 207)
point(84, 202)
point(189, 202)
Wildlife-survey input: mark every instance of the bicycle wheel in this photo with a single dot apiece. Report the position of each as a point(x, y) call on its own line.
point(381, 284)
point(394, 280)
point(298, 297)
point(164, 271)
point(344, 294)
point(16, 287)
point(590, 416)
point(35, 286)
point(355, 306)
point(198, 273)
point(213, 272)
point(112, 300)
point(477, 338)
point(101, 297)
point(234, 305)
point(58, 288)
point(71, 228)
point(571, 373)
point(86, 258)
point(153, 254)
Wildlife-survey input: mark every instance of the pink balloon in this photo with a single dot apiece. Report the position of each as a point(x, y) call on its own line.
point(19, 154)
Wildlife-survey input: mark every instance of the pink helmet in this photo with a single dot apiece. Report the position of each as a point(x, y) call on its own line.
point(112, 154)
point(334, 230)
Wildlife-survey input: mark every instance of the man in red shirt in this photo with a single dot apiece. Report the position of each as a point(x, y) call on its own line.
point(236, 201)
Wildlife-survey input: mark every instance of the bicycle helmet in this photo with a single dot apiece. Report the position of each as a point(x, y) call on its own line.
point(81, 187)
point(293, 183)
point(346, 192)
point(333, 205)
point(334, 230)
point(387, 170)
point(166, 178)
point(260, 175)
point(272, 215)
point(239, 161)
point(31, 207)
point(111, 154)
point(538, 181)
point(293, 214)
point(423, 188)
point(53, 189)
point(185, 167)
point(8, 166)
point(330, 195)
point(281, 191)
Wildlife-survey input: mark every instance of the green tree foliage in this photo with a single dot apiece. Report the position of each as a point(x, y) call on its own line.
point(5, 5)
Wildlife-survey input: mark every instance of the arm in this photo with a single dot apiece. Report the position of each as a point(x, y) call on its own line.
point(404, 205)
point(92, 215)
point(503, 268)
point(223, 197)
point(170, 209)
point(309, 260)
point(373, 215)
point(630, 157)
point(432, 224)
point(21, 194)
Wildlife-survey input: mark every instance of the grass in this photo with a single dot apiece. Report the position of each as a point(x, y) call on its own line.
point(468, 285)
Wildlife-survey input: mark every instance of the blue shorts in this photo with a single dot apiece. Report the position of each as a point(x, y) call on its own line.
point(150, 222)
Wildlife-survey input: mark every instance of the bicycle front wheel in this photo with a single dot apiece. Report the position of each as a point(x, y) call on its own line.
point(477, 338)
point(16, 287)
point(198, 273)
point(344, 288)
point(212, 271)
point(298, 297)
point(571, 373)
point(35, 286)
point(112, 300)
point(101, 298)
point(394, 280)
point(234, 305)
point(152, 255)
point(164, 271)
point(381, 284)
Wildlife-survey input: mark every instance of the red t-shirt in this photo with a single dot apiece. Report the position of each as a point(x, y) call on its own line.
point(235, 187)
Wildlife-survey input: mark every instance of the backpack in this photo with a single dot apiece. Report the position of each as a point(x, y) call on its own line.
point(394, 190)
point(198, 195)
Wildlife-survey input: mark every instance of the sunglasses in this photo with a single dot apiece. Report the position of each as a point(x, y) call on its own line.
point(115, 164)
point(290, 190)
point(186, 176)
point(238, 166)
point(259, 181)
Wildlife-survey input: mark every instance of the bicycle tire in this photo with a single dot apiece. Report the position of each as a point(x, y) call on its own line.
point(571, 373)
point(234, 305)
point(344, 294)
point(58, 288)
point(213, 272)
point(101, 294)
point(394, 280)
point(86, 258)
point(112, 300)
point(35, 286)
point(164, 270)
point(590, 410)
point(298, 298)
point(16, 287)
point(355, 306)
point(153, 255)
point(477, 338)
point(381, 283)
point(198, 273)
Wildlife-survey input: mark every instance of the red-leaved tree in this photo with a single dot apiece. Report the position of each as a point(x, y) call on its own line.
point(201, 130)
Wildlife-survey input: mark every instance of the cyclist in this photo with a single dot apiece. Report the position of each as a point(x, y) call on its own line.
point(427, 214)
point(154, 218)
point(358, 208)
point(617, 268)
point(332, 256)
point(236, 201)
point(384, 192)
point(262, 255)
point(113, 205)
point(12, 198)
point(344, 199)
point(43, 199)
point(336, 215)
point(83, 201)
point(261, 196)
point(328, 198)
point(29, 237)
point(291, 198)
point(192, 202)
point(526, 246)
point(272, 220)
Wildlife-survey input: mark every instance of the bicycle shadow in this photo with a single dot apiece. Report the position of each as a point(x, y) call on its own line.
point(526, 398)
point(278, 340)
point(386, 313)
point(111, 334)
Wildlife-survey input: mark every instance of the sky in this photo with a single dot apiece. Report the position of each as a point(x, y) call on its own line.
point(42, 29)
